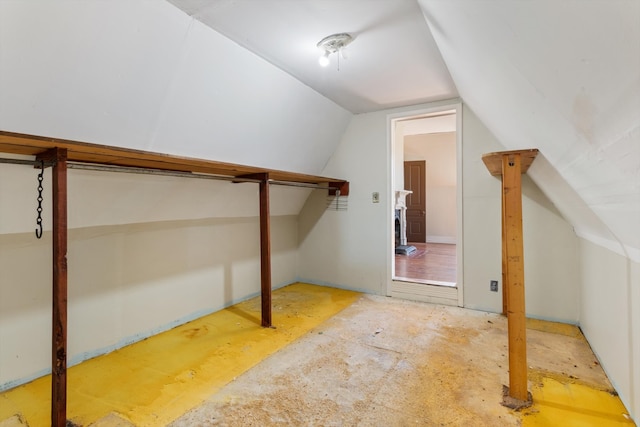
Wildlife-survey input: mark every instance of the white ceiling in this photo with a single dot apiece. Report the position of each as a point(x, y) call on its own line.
point(563, 77)
point(393, 60)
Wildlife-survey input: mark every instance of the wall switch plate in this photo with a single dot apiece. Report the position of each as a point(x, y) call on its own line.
point(494, 286)
point(375, 197)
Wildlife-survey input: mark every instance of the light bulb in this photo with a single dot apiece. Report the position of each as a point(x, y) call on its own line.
point(324, 59)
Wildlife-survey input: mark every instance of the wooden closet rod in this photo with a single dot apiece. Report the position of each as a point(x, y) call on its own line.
point(25, 162)
point(161, 172)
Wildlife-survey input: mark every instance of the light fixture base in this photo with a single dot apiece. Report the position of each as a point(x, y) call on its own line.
point(334, 42)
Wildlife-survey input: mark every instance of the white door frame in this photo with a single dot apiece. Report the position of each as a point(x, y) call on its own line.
point(419, 291)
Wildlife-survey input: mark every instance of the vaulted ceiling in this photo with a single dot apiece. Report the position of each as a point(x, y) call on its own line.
point(393, 60)
point(563, 77)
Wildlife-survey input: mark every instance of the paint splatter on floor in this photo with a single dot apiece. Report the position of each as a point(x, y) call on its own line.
point(156, 380)
point(336, 358)
point(387, 362)
point(576, 404)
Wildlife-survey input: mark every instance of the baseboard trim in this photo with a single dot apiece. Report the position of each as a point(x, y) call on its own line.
point(450, 240)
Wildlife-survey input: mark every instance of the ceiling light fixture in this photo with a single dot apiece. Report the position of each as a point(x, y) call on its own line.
point(334, 43)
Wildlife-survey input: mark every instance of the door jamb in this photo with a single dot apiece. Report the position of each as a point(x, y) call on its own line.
point(432, 109)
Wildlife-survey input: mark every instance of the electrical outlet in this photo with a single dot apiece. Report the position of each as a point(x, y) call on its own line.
point(375, 197)
point(494, 286)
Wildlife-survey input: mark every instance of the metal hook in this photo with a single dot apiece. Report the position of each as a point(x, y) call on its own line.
point(39, 210)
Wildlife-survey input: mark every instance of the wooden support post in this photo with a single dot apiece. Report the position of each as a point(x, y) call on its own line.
point(505, 288)
point(514, 262)
point(510, 165)
point(265, 246)
point(59, 309)
point(265, 251)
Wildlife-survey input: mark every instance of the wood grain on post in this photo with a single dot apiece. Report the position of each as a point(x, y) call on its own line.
point(509, 166)
point(505, 266)
point(513, 245)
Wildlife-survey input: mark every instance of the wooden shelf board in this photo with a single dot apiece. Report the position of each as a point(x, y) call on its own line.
point(493, 161)
point(83, 152)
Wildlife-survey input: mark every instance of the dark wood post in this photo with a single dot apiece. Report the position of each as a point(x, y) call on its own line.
point(265, 246)
point(265, 251)
point(59, 309)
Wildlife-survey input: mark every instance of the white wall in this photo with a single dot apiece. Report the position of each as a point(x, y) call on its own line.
point(348, 248)
point(145, 254)
point(142, 74)
point(633, 399)
point(128, 282)
point(550, 245)
point(398, 156)
point(560, 88)
point(439, 152)
point(610, 319)
point(356, 259)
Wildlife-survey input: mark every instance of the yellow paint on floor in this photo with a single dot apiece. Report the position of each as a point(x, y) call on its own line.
point(572, 404)
point(154, 381)
point(554, 328)
point(567, 401)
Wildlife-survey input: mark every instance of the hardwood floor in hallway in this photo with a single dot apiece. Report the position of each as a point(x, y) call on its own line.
point(430, 262)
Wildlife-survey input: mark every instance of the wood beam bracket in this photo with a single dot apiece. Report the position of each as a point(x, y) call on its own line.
point(493, 161)
point(339, 188)
point(51, 157)
point(256, 176)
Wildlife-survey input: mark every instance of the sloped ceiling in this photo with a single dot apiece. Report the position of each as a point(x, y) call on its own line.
point(563, 77)
point(142, 74)
point(393, 60)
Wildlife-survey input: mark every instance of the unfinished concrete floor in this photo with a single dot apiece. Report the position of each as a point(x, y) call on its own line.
point(388, 362)
point(378, 362)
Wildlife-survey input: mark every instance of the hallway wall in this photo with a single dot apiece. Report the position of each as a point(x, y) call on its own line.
point(438, 150)
point(356, 258)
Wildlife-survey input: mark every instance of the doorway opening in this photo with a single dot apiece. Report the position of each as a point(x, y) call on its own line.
point(426, 252)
